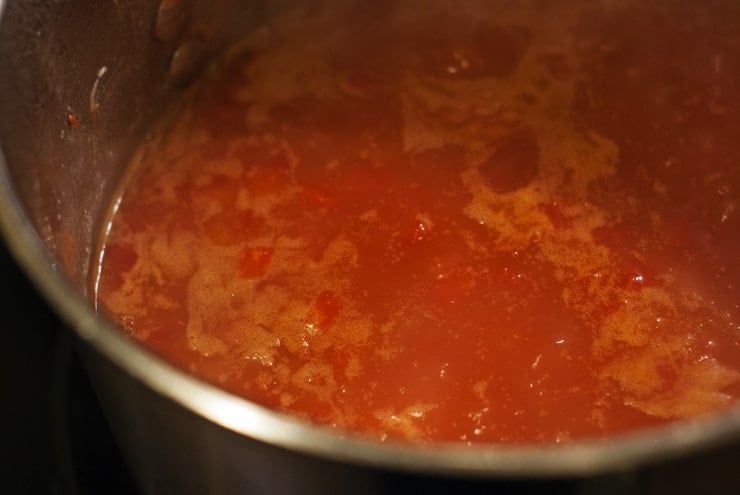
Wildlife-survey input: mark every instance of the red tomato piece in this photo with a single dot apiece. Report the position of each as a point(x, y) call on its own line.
point(328, 307)
point(316, 196)
point(555, 213)
point(253, 262)
point(451, 288)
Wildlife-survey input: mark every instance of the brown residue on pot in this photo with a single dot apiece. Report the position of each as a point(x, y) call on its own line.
point(73, 121)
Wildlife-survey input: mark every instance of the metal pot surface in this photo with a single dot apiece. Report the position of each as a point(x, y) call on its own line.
point(80, 83)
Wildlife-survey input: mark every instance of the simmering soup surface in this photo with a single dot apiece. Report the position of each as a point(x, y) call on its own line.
point(510, 222)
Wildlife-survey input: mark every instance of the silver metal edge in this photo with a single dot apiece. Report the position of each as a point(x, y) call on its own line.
point(595, 457)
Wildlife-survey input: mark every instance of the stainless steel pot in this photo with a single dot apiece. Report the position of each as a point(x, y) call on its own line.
point(79, 83)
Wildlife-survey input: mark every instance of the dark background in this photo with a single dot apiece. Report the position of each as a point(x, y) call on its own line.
point(53, 437)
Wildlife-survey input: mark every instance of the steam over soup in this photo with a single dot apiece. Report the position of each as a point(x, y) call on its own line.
point(467, 221)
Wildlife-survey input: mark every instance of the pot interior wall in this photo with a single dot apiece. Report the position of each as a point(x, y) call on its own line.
point(79, 85)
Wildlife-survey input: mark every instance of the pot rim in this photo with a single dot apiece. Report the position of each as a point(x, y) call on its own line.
point(581, 458)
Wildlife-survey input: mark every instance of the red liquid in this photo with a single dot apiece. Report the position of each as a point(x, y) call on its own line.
point(451, 224)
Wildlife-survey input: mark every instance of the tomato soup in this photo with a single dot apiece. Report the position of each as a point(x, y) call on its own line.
point(450, 221)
